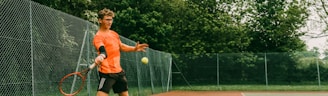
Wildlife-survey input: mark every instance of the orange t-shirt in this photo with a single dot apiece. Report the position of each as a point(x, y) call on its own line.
point(111, 41)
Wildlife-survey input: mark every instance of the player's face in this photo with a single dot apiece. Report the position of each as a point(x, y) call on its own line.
point(107, 21)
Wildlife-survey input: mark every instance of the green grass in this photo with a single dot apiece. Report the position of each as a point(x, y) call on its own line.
point(252, 88)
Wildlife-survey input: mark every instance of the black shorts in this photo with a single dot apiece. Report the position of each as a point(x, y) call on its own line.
point(117, 81)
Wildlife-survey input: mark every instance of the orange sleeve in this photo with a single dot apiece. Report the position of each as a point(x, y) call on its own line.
point(98, 41)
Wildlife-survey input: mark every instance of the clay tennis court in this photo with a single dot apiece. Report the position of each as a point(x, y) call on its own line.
point(239, 93)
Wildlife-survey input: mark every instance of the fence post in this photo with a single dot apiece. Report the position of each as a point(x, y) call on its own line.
point(266, 69)
point(169, 77)
point(31, 33)
point(318, 71)
point(150, 73)
point(88, 58)
point(218, 69)
point(138, 75)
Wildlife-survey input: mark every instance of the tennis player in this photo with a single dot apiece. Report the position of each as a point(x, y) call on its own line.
point(108, 44)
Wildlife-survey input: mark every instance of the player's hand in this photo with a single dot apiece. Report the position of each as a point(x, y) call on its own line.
point(141, 47)
point(99, 58)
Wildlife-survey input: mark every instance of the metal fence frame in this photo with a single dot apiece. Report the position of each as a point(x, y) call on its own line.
point(40, 45)
point(208, 63)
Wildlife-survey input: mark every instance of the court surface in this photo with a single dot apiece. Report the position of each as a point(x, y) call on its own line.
point(238, 93)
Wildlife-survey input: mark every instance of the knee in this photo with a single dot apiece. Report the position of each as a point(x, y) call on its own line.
point(101, 93)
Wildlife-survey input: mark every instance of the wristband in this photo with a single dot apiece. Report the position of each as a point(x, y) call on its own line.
point(102, 50)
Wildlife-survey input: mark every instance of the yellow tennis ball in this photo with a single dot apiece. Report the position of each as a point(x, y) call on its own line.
point(144, 60)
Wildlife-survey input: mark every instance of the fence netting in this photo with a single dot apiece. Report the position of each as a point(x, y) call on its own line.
point(296, 68)
point(39, 45)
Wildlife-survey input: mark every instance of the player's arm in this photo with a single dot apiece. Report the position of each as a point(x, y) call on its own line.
point(102, 55)
point(102, 51)
point(138, 47)
point(127, 48)
point(99, 45)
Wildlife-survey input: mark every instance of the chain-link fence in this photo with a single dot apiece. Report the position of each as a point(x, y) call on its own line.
point(39, 45)
point(297, 68)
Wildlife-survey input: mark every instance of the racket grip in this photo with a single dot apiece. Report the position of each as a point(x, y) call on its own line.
point(92, 66)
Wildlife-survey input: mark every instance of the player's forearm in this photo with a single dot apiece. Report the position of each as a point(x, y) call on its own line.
point(102, 55)
point(127, 48)
point(102, 51)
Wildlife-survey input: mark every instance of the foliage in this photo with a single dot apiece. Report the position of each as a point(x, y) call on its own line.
point(209, 26)
point(274, 25)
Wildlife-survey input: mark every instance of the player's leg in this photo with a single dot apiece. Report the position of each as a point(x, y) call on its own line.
point(105, 84)
point(121, 85)
point(101, 93)
point(125, 93)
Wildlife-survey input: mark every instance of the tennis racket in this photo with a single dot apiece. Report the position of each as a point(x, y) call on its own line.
point(72, 83)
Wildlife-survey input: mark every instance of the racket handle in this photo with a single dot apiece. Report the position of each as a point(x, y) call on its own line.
point(92, 66)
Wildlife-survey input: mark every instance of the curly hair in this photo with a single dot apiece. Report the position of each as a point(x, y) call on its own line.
point(105, 12)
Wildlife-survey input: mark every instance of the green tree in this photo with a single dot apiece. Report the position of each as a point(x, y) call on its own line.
point(73, 7)
point(274, 25)
point(204, 28)
point(273, 28)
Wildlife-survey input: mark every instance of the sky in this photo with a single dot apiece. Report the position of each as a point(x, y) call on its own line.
point(312, 28)
point(316, 42)
point(315, 26)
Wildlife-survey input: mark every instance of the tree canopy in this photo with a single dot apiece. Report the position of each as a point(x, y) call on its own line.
point(201, 26)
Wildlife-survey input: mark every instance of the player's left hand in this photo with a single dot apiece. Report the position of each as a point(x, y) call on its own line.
point(141, 47)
